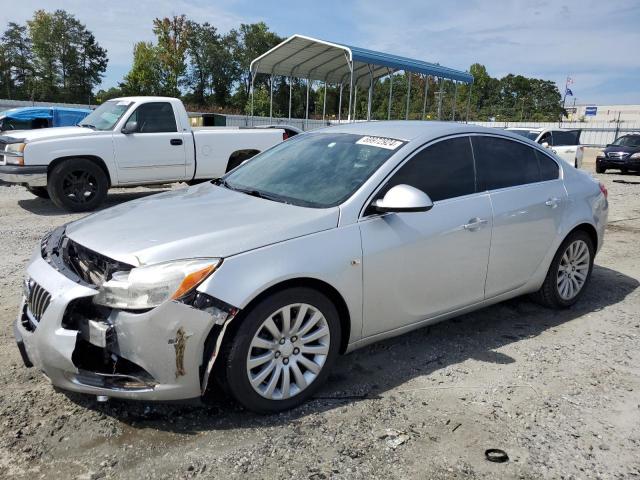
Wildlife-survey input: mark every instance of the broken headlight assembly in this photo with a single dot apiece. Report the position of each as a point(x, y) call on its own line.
point(146, 287)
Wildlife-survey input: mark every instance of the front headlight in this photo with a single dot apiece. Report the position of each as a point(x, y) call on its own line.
point(147, 287)
point(14, 153)
point(635, 156)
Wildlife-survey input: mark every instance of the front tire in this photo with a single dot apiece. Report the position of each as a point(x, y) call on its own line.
point(77, 185)
point(40, 192)
point(569, 273)
point(282, 350)
point(600, 169)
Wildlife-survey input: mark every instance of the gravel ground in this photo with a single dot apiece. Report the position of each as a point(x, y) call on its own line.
point(558, 391)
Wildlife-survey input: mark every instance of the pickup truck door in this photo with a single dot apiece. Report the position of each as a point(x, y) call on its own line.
point(155, 149)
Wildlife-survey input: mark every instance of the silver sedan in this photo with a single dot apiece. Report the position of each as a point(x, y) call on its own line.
point(323, 244)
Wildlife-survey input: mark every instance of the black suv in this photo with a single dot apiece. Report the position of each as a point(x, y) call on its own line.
point(623, 154)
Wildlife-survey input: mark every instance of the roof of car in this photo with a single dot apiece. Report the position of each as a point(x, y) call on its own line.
point(416, 130)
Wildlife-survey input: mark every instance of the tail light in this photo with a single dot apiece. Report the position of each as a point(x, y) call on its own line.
point(604, 190)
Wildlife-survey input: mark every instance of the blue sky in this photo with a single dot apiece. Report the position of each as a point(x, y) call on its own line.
point(594, 41)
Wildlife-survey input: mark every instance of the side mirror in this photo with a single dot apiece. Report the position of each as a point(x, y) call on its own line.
point(130, 127)
point(545, 144)
point(404, 198)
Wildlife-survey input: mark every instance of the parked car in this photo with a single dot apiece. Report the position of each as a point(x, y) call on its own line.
point(125, 142)
point(623, 154)
point(563, 142)
point(32, 118)
point(325, 243)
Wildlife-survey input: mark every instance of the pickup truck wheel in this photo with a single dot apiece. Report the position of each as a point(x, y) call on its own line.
point(77, 185)
point(39, 191)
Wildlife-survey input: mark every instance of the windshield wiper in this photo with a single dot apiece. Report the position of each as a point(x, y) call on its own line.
point(248, 191)
point(87, 125)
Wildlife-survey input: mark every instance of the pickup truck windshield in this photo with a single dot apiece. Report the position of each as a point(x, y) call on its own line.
point(317, 170)
point(106, 115)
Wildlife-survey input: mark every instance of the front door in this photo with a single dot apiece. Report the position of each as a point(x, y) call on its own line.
point(419, 265)
point(155, 150)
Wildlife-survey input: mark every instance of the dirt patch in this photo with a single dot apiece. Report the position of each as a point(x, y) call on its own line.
point(558, 391)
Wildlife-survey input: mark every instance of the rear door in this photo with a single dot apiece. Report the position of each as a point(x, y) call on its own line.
point(156, 150)
point(420, 264)
point(528, 199)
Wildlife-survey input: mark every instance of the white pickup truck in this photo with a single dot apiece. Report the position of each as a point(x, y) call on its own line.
point(563, 142)
point(125, 142)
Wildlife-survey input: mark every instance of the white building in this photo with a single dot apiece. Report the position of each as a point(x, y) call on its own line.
point(604, 113)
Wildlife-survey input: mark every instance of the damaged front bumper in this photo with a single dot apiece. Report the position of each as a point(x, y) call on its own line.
point(165, 353)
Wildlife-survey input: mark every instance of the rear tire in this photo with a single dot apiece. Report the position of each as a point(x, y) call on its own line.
point(297, 363)
point(77, 185)
point(40, 192)
point(569, 272)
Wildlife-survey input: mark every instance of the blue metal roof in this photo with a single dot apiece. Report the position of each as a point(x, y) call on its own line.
point(306, 57)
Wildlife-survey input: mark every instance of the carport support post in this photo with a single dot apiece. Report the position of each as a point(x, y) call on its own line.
point(390, 95)
point(253, 76)
point(455, 98)
point(370, 99)
point(290, 86)
point(350, 90)
point(324, 102)
point(440, 93)
point(306, 115)
point(340, 105)
point(271, 99)
point(469, 102)
point(426, 90)
point(355, 97)
point(406, 115)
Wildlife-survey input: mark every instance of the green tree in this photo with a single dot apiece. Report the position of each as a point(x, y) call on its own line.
point(172, 34)
point(146, 74)
point(17, 62)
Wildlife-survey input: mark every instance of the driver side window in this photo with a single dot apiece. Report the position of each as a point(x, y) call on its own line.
point(156, 117)
point(442, 170)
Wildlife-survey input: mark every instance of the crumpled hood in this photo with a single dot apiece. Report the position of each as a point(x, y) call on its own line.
point(53, 132)
point(201, 221)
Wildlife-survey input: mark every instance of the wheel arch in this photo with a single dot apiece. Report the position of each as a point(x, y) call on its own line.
point(237, 157)
point(588, 229)
point(319, 285)
point(92, 158)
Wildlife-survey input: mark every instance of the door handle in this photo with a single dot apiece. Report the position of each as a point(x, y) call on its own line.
point(176, 141)
point(552, 202)
point(474, 224)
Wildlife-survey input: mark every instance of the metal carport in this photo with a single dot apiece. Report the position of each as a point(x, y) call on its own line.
point(333, 63)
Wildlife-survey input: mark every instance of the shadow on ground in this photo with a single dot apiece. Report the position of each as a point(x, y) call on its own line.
point(371, 371)
point(44, 207)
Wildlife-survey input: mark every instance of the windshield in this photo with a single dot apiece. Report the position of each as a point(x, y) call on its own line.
point(315, 169)
point(106, 115)
point(530, 134)
point(628, 141)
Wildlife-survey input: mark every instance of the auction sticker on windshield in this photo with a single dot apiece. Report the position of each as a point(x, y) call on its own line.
point(381, 142)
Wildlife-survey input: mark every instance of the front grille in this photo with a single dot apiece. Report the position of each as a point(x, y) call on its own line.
point(617, 155)
point(37, 301)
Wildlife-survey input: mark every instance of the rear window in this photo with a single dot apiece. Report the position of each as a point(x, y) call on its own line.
point(504, 163)
point(561, 138)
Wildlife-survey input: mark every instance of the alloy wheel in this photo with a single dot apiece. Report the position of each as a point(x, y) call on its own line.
point(288, 351)
point(573, 269)
point(79, 186)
